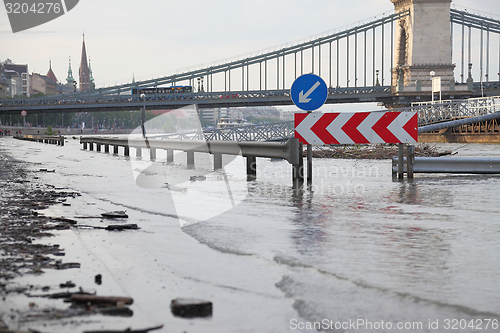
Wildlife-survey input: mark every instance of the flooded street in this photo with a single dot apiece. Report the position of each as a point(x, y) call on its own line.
point(354, 252)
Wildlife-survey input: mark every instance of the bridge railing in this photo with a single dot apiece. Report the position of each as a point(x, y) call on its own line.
point(128, 98)
point(278, 131)
point(440, 111)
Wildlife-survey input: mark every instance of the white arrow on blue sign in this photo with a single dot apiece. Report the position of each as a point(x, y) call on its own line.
point(309, 92)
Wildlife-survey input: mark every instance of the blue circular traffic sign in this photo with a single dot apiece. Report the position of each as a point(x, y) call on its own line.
point(309, 92)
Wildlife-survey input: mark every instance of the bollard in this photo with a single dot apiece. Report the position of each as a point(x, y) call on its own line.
point(400, 161)
point(394, 168)
point(170, 156)
point(309, 165)
point(190, 158)
point(298, 169)
point(217, 161)
point(251, 167)
point(410, 161)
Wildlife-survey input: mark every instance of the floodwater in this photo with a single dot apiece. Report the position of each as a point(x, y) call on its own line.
point(356, 252)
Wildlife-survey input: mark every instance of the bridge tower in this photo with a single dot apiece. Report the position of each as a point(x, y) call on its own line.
point(423, 44)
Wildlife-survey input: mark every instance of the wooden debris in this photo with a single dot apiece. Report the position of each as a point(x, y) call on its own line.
point(112, 227)
point(190, 308)
point(67, 265)
point(45, 170)
point(101, 300)
point(63, 219)
point(115, 214)
point(129, 330)
point(68, 284)
point(66, 295)
point(120, 311)
point(120, 227)
point(375, 151)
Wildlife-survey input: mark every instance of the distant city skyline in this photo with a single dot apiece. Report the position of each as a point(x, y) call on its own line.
point(149, 39)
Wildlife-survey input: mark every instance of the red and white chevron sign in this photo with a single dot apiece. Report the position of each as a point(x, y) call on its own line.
point(356, 128)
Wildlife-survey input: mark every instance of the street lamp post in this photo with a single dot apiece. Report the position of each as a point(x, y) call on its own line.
point(432, 73)
point(143, 96)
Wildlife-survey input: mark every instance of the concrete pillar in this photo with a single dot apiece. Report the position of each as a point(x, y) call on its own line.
point(170, 156)
point(217, 161)
point(61, 141)
point(251, 167)
point(106, 148)
point(138, 152)
point(152, 154)
point(84, 145)
point(190, 158)
point(98, 147)
point(115, 150)
point(126, 151)
point(91, 146)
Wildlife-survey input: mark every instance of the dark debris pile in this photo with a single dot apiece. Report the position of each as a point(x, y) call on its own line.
point(375, 151)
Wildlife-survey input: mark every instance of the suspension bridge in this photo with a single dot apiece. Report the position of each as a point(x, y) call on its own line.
point(388, 60)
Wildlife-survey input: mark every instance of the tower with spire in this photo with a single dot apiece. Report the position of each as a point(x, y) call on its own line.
point(92, 84)
point(50, 73)
point(70, 80)
point(84, 72)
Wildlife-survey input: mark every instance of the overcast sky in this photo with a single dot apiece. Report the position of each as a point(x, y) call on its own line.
point(151, 38)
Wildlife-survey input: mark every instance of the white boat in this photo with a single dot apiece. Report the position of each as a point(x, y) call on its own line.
point(231, 122)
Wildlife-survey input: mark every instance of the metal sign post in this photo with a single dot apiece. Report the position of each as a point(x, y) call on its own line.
point(24, 113)
point(309, 92)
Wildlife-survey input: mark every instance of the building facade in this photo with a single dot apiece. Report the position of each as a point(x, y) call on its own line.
point(16, 78)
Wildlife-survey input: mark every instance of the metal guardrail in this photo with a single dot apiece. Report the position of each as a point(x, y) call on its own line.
point(455, 165)
point(51, 139)
point(288, 151)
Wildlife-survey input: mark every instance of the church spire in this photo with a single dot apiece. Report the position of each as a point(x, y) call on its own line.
point(84, 72)
point(50, 73)
point(70, 79)
point(92, 84)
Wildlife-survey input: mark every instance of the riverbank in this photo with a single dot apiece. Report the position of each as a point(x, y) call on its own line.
point(21, 226)
point(30, 249)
